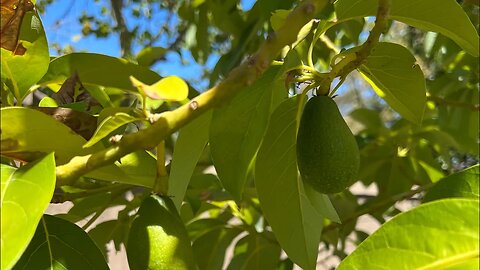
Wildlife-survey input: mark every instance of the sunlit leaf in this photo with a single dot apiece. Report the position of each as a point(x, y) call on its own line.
point(443, 16)
point(20, 72)
point(461, 184)
point(110, 124)
point(26, 194)
point(112, 72)
point(394, 75)
point(296, 223)
point(171, 88)
point(28, 134)
point(436, 235)
point(148, 56)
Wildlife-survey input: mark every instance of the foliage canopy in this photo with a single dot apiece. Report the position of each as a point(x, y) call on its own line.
point(101, 131)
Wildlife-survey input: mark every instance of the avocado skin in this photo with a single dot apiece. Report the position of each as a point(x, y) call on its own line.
point(327, 153)
point(158, 239)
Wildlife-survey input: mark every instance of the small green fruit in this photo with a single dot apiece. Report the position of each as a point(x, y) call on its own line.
point(158, 239)
point(327, 153)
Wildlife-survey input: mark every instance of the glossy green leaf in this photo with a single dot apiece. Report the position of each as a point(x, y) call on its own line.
point(26, 194)
point(28, 134)
point(436, 235)
point(48, 102)
point(171, 88)
point(461, 184)
point(322, 204)
point(59, 244)
point(209, 249)
point(111, 230)
point(137, 168)
point(110, 124)
point(113, 72)
point(148, 56)
point(393, 74)
point(295, 222)
point(6, 172)
point(255, 251)
point(188, 149)
point(20, 72)
point(443, 16)
point(237, 130)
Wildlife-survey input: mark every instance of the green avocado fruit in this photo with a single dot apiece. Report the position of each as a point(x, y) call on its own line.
point(158, 239)
point(327, 153)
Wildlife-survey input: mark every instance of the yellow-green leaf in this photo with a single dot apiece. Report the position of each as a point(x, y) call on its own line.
point(171, 88)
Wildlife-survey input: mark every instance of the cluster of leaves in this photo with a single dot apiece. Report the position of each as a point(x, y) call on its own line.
point(256, 201)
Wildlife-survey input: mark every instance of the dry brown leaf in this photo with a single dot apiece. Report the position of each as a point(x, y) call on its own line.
point(12, 13)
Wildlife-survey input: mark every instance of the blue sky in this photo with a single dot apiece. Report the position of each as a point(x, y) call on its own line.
point(61, 25)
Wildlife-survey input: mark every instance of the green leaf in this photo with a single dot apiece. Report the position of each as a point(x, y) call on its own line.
point(111, 230)
point(112, 72)
point(393, 74)
point(278, 18)
point(369, 120)
point(209, 249)
point(436, 235)
point(237, 130)
point(59, 244)
point(20, 72)
point(461, 184)
point(255, 251)
point(28, 134)
point(171, 88)
point(461, 123)
point(322, 203)
point(26, 194)
point(48, 102)
point(295, 222)
point(137, 168)
point(443, 16)
point(110, 124)
point(148, 56)
point(188, 149)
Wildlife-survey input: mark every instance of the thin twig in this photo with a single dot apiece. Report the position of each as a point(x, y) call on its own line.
point(454, 103)
point(379, 205)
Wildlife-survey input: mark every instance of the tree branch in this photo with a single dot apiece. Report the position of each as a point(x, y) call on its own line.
point(379, 205)
point(125, 35)
point(453, 103)
point(169, 122)
point(356, 58)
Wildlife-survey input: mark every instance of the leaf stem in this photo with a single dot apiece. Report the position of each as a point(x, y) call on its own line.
point(161, 182)
point(356, 58)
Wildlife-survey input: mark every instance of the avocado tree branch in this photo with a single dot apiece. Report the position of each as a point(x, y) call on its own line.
point(378, 205)
point(168, 122)
point(453, 103)
point(125, 35)
point(356, 58)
